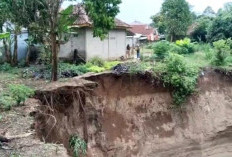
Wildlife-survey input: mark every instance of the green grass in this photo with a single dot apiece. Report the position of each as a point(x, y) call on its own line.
point(198, 58)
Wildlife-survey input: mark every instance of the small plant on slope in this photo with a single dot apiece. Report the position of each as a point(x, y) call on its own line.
point(181, 76)
point(78, 145)
point(20, 93)
point(222, 52)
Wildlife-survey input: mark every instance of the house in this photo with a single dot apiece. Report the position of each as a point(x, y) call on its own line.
point(144, 32)
point(87, 46)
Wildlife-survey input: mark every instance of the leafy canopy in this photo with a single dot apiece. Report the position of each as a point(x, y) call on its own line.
point(102, 13)
point(177, 17)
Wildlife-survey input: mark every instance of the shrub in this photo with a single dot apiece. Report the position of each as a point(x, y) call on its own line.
point(20, 92)
point(111, 64)
point(5, 67)
point(151, 58)
point(75, 69)
point(186, 45)
point(96, 69)
point(181, 76)
point(7, 102)
point(177, 49)
point(161, 49)
point(139, 68)
point(222, 51)
point(78, 145)
point(97, 61)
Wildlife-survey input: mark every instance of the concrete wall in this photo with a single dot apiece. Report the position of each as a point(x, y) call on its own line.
point(113, 47)
point(75, 42)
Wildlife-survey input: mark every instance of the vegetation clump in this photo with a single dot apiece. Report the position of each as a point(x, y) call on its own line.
point(78, 146)
point(15, 95)
point(181, 76)
point(222, 52)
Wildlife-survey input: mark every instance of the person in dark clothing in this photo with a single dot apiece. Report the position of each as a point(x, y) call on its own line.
point(128, 51)
point(138, 51)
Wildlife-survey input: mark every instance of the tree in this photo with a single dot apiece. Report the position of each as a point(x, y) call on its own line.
point(209, 12)
point(158, 22)
point(177, 18)
point(201, 25)
point(102, 13)
point(221, 27)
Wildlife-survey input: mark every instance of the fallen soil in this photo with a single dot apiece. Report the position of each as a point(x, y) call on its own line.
point(133, 116)
point(17, 125)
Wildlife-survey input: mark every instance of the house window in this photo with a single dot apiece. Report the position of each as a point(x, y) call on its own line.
point(75, 35)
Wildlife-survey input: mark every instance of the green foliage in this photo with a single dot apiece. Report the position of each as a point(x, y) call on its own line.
point(6, 101)
point(139, 68)
point(103, 14)
point(6, 67)
point(181, 76)
point(177, 17)
point(44, 55)
point(96, 69)
point(14, 95)
point(65, 21)
point(111, 64)
point(185, 45)
point(161, 49)
point(201, 25)
point(78, 69)
point(97, 62)
point(151, 58)
point(78, 145)
point(4, 35)
point(158, 22)
point(222, 52)
point(20, 92)
point(221, 25)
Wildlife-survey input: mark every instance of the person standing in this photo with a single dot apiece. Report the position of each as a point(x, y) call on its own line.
point(128, 48)
point(138, 51)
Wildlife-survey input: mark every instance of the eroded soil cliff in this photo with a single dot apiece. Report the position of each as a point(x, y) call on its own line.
point(132, 116)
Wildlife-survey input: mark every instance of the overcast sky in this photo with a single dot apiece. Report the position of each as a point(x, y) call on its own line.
point(141, 10)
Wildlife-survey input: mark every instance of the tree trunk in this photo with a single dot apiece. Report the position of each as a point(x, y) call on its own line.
point(28, 55)
point(54, 57)
point(171, 37)
point(7, 52)
point(15, 54)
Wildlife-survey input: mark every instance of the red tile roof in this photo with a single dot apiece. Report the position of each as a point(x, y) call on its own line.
point(142, 29)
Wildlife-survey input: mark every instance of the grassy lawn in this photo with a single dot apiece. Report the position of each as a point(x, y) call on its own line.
point(198, 58)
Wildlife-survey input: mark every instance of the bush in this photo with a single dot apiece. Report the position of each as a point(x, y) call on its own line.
point(181, 76)
point(96, 69)
point(139, 68)
point(148, 58)
point(97, 62)
point(20, 93)
point(72, 70)
point(7, 102)
point(161, 49)
point(5, 67)
point(222, 51)
point(186, 45)
point(111, 64)
point(78, 145)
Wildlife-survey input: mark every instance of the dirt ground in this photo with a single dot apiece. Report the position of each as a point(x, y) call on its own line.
point(18, 125)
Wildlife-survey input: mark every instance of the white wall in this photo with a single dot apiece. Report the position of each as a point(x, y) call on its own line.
point(113, 47)
point(79, 43)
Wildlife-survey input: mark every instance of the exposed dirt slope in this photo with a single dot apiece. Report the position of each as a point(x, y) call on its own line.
point(132, 117)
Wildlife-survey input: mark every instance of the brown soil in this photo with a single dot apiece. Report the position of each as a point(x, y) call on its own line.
point(130, 116)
